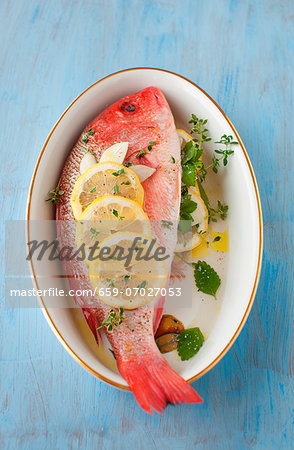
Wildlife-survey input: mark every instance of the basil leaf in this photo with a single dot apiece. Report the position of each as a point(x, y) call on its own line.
point(189, 343)
point(189, 175)
point(188, 152)
point(206, 278)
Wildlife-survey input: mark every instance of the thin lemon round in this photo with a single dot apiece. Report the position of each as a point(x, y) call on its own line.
point(101, 179)
point(128, 279)
point(193, 238)
point(108, 215)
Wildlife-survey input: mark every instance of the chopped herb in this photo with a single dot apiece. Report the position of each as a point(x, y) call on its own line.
point(87, 150)
point(93, 189)
point(85, 138)
point(110, 282)
point(150, 145)
point(115, 213)
point(142, 285)
point(126, 278)
point(206, 278)
point(141, 153)
point(128, 163)
point(54, 195)
point(216, 239)
point(94, 233)
point(166, 224)
point(189, 343)
point(115, 189)
point(126, 182)
point(119, 172)
point(173, 159)
point(112, 320)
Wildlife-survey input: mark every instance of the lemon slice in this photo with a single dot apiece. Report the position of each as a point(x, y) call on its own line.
point(102, 179)
point(129, 278)
point(195, 237)
point(107, 215)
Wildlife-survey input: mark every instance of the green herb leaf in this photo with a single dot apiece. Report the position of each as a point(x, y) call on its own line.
point(112, 320)
point(185, 223)
point(142, 285)
point(141, 153)
point(54, 195)
point(119, 172)
point(188, 152)
point(188, 206)
point(128, 163)
point(115, 213)
point(189, 343)
point(91, 132)
point(115, 189)
point(189, 174)
point(126, 182)
point(206, 278)
point(167, 224)
point(216, 239)
point(203, 194)
point(93, 189)
point(94, 233)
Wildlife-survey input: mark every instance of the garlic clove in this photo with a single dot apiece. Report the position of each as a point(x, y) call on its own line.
point(143, 172)
point(88, 161)
point(115, 153)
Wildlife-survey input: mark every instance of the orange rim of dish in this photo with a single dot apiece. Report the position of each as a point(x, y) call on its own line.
point(258, 269)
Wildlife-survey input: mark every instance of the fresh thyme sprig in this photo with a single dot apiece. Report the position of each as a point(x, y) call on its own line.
point(54, 195)
point(221, 211)
point(198, 129)
point(227, 141)
point(112, 320)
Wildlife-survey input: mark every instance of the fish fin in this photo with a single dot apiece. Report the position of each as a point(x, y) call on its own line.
point(158, 310)
point(177, 269)
point(155, 384)
point(92, 322)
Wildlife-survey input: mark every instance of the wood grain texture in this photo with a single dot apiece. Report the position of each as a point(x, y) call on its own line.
point(242, 54)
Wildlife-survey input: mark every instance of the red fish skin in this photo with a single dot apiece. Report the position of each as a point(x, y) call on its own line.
point(148, 119)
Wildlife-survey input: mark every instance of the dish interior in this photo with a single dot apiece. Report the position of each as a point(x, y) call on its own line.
point(219, 319)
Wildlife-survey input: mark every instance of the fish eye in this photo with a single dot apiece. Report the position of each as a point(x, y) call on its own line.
point(128, 107)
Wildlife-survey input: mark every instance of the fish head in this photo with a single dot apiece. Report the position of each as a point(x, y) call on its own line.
point(144, 108)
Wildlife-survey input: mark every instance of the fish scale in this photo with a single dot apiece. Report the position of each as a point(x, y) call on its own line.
point(137, 119)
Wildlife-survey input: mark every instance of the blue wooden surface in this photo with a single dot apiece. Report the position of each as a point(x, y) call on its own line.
point(242, 54)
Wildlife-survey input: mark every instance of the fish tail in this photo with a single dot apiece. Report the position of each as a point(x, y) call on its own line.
point(155, 384)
